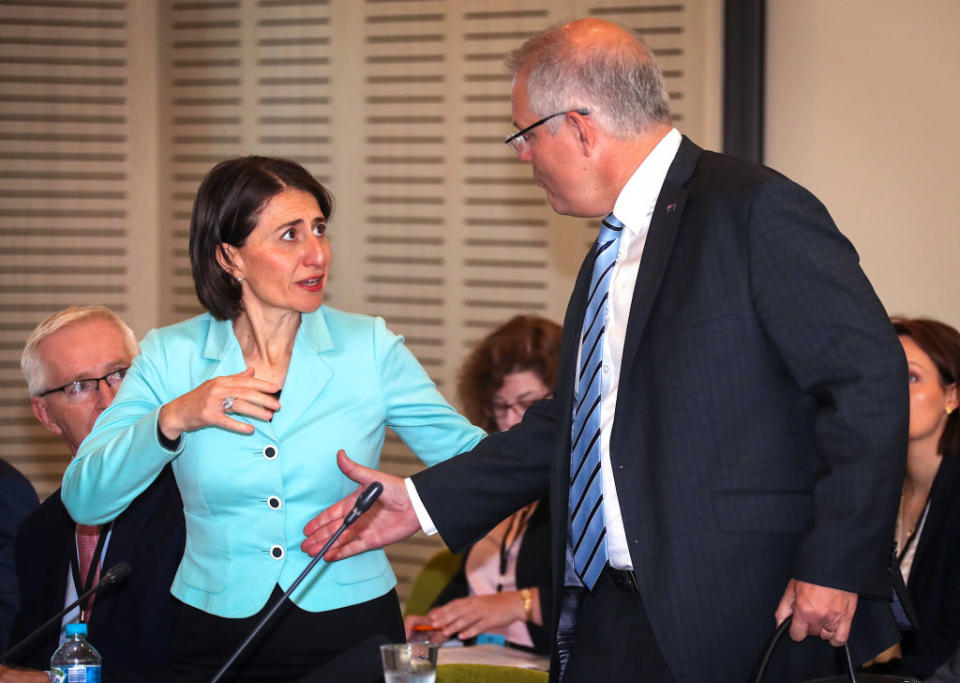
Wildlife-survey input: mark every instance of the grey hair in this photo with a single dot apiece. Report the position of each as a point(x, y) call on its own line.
point(620, 82)
point(32, 364)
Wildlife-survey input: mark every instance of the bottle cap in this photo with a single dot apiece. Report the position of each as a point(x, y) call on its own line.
point(79, 627)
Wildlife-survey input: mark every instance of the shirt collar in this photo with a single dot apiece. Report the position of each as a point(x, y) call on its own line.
point(637, 199)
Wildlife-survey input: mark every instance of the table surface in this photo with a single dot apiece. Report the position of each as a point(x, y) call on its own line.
point(497, 655)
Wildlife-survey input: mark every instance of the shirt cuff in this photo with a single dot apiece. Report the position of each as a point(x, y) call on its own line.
point(422, 515)
point(168, 444)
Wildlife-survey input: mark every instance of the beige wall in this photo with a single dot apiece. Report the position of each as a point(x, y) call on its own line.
point(863, 108)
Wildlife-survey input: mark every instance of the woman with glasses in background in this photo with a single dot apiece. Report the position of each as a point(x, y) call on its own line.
point(503, 585)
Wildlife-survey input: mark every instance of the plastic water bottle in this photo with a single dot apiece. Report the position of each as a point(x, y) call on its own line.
point(76, 661)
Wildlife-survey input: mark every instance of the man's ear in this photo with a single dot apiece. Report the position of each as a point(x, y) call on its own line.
point(228, 256)
point(39, 406)
point(584, 131)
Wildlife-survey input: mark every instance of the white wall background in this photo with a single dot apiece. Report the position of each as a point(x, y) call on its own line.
point(863, 108)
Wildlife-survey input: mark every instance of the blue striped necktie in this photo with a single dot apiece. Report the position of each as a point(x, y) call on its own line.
point(588, 535)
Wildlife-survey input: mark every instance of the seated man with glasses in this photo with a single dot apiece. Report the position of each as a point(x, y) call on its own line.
point(74, 362)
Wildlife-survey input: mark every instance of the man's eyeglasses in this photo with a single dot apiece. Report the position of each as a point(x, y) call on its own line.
point(83, 389)
point(518, 142)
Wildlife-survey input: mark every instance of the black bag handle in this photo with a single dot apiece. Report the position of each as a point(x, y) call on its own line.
point(772, 643)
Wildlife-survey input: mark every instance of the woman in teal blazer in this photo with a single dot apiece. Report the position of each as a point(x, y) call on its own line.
point(250, 403)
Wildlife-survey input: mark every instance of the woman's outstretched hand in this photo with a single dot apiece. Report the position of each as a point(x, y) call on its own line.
point(389, 520)
point(204, 406)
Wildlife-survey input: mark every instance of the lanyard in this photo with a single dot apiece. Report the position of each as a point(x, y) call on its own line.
point(91, 571)
point(518, 521)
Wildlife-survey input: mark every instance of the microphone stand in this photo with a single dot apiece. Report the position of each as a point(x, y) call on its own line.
point(364, 501)
point(116, 573)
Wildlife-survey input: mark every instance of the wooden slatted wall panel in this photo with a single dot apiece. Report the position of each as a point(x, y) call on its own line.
point(64, 178)
point(236, 78)
point(400, 106)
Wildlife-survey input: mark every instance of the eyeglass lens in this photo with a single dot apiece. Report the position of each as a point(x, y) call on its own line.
point(83, 388)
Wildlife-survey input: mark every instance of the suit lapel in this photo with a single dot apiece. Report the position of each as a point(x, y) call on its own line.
point(572, 325)
point(307, 373)
point(60, 544)
point(664, 226)
point(945, 485)
point(222, 347)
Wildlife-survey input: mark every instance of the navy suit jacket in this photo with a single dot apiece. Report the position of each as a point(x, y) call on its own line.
point(759, 433)
point(17, 500)
point(132, 623)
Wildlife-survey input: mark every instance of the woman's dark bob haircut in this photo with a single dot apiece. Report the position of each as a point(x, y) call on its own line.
point(942, 343)
point(226, 211)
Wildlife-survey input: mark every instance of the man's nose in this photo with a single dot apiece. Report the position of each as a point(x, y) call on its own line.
point(105, 394)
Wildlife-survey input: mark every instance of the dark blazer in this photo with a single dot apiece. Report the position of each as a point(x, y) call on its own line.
point(533, 570)
point(760, 429)
point(934, 584)
point(132, 623)
point(17, 500)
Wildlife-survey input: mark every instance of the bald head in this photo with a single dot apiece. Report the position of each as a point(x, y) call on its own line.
point(591, 31)
point(593, 64)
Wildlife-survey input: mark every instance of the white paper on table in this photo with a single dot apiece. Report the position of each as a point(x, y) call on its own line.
point(496, 655)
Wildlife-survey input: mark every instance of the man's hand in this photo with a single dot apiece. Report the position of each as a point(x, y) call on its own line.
point(389, 520)
point(8, 675)
point(817, 611)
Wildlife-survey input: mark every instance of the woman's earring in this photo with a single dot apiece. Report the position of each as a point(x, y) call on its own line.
point(240, 278)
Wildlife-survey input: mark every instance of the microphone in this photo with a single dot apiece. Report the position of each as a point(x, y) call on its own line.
point(361, 505)
point(114, 575)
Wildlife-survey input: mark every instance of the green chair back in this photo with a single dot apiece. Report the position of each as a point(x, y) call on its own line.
point(486, 673)
point(430, 581)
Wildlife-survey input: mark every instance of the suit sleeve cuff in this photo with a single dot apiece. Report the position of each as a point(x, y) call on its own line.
point(426, 524)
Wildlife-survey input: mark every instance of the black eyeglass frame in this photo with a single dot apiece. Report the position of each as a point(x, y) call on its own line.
point(583, 111)
point(121, 371)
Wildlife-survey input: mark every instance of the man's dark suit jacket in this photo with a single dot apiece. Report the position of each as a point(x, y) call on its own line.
point(132, 623)
point(533, 570)
point(760, 428)
point(17, 500)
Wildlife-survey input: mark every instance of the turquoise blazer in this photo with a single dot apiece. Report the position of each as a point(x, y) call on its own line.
point(247, 498)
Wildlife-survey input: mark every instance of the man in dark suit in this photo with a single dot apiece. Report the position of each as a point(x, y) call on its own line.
point(74, 362)
point(17, 500)
point(744, 419)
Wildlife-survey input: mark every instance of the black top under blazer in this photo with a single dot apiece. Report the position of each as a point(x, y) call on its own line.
point(760, 428)
point(132, 623)
point(934, 584)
